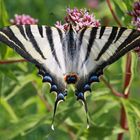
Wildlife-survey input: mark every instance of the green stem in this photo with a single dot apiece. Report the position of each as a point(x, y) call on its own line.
point(116, 93)
point(127, 80)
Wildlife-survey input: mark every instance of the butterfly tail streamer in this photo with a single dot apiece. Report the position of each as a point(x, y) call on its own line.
point(80, 96)
point(54, 112)
point(86, 110)
point(60, 97)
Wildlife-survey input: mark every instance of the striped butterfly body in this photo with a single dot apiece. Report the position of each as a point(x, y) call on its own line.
point(70, 57)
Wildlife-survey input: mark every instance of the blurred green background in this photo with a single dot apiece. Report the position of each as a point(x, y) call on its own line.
point(26, 106)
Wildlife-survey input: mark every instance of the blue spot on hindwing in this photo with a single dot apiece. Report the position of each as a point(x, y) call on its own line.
point(93, 78)
point(47, 78)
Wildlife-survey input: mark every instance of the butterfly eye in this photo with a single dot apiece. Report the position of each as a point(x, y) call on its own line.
point(47, 78)
point(93, 78)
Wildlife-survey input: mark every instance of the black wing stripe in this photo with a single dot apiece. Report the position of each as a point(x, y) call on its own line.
point(122, 29)
point(33, 41)
point(5, 39)
point(122, 52)
point(40, 30)
point(60, 34)
point(91, 42)
point(20, 27)
point(129, 47)
point(71, 42)
point(8, 32)
point(50, 40)
point(81, 37)
point(102, 31)
point(10, 42)
point(134, 34)
point(108, 43)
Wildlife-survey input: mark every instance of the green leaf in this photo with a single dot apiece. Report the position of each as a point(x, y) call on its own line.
point(4, 18)
point(128, 4)
point(133, 119)
point(120, 7)
point(22, 126)
point(8, 73)
point(121, 12)
point(104, 110)
point(4, 21)
point(24, 80)
point(1, 84)
point(136, 106)
point(9, 109)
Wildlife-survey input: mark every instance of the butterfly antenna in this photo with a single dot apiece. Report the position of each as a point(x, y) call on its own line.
point(80, 96)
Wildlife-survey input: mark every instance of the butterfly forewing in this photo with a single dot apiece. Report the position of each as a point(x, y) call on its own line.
point(102, 46)
point(40, 45)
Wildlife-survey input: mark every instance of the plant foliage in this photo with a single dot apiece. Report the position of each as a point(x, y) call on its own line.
point(26, 106)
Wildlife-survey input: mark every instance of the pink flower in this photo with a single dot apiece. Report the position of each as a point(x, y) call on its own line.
point(79, 19)
point(23, 19)
point(135, 13)
point(60, 26)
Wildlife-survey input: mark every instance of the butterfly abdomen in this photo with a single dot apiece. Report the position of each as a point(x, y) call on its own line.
point(71, 51)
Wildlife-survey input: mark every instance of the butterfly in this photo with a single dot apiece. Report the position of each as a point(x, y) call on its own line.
point(70, 57)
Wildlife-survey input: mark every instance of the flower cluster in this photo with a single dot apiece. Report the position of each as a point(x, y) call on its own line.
point(23, 19)
point(135, 13)
point(79, 19)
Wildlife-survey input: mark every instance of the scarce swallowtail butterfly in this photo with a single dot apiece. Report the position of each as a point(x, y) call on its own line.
point(70, 57)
